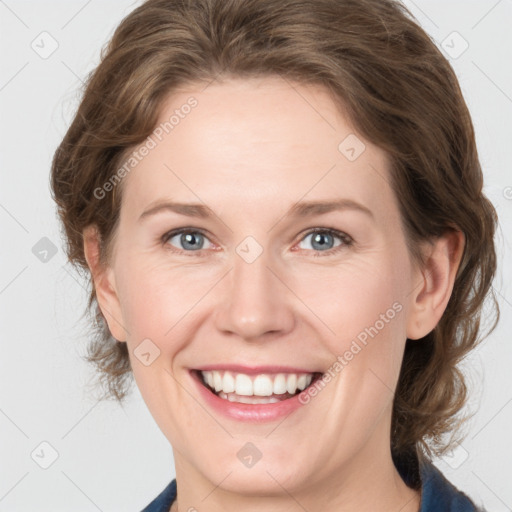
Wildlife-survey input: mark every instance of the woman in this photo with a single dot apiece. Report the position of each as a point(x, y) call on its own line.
point(280, 206)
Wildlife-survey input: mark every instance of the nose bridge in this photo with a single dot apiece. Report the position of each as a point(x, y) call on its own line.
point(254, 301)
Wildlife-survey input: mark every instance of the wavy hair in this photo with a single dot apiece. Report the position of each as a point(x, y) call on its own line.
point(397, 89)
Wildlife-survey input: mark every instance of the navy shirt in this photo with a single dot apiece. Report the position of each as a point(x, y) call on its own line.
point(438, 494)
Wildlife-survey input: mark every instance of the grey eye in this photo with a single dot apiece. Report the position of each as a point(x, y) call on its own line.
point(322, 240)
point(188, 240)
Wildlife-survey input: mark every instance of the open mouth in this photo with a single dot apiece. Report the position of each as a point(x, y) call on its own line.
point(256, 389)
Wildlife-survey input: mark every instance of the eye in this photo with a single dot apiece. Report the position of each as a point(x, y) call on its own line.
point(324, 240)
point(186, 240)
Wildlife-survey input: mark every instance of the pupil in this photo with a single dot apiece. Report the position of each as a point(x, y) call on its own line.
point(320, 238)
point(188, 240)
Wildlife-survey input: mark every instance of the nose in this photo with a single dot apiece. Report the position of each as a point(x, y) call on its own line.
point(255, 303)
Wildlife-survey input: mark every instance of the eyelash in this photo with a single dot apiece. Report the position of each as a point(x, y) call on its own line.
point(347, 241)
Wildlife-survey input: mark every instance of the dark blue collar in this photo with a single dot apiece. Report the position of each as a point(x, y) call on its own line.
point(438, 494)
point(163, 502)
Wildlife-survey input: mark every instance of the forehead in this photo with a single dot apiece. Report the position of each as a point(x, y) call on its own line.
point(259, 144)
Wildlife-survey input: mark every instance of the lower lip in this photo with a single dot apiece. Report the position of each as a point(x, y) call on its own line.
point(256, 413)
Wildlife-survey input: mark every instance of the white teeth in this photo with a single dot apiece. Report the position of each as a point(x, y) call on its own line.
point(280, 384)
point(302, 382)
point(217, 381)
point(291, 383)
point(243, 385)
point(264, 385)
point(232, 397)
point(228, 383)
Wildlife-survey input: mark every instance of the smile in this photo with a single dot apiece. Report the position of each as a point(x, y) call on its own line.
point(253, 393)
point(263, 388)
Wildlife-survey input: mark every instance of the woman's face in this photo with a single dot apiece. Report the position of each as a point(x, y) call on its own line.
point(249, 288)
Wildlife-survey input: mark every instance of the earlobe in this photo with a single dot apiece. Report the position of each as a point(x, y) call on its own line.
point(435, 283)
point(104, 284)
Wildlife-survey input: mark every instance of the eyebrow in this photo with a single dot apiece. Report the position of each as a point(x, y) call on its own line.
point(300, 209)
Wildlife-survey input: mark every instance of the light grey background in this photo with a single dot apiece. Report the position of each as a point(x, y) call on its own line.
point(113, 458)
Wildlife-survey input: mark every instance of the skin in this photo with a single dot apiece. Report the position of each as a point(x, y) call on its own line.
point(250, 150)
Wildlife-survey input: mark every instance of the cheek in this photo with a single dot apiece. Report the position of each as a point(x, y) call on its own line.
point(363, 317)
point(155, 298)
point(353, 297)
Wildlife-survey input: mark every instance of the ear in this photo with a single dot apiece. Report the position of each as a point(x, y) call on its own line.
point(104, 284)
point(434, 283)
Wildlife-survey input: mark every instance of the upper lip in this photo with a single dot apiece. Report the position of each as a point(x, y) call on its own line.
point(253, 370)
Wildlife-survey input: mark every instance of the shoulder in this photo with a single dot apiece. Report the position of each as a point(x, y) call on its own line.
point(438, 494)
point(162, 503)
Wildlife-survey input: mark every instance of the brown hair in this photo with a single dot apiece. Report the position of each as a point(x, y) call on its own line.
point(399, 92)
